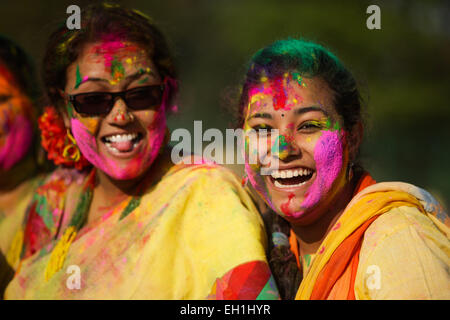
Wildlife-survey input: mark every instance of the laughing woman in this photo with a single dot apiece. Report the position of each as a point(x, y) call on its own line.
point(337, 234)
point(126, 223)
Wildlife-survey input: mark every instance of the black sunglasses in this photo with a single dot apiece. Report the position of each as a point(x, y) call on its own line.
point(101, 103)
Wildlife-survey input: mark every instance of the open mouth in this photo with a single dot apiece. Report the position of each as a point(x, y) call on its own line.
point(291, 178)
point(122, 143)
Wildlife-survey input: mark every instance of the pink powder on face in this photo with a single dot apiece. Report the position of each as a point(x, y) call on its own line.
point(108, 48)
point(18, 141)
point(88, 147)
point(328, 155)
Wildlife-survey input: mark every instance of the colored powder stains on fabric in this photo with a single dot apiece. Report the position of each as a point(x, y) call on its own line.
point(42, 209)
point(285, 206)
point(270, 290)
point(322, 249)
point(328, 155)
point(336, 227)
point(307, 258)
point(246, 282)
point(244, 181)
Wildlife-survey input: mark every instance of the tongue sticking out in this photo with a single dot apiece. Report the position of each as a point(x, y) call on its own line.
point(123, 146)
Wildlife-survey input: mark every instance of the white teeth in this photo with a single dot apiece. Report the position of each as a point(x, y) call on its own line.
point(121, 137)
point(283, 174)
point(279, 185)
point(114, 150)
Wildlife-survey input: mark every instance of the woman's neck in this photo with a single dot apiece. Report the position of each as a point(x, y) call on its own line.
point(311, 236)
point(108, 192)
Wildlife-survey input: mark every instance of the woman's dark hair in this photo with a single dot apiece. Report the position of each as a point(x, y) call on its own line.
point(310, 60)
point(306, 59)
point(14, 58)
point(97, 22)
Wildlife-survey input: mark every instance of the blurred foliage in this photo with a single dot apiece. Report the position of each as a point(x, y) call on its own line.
point(403, 68)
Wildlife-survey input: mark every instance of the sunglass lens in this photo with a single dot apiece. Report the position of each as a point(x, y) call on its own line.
point(144, 98)
point(93, 103)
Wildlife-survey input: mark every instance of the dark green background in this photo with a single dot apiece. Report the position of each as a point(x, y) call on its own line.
point(403, 68)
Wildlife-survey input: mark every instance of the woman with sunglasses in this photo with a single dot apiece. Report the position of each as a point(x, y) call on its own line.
point(126, 223)
point(335, 233)
point(21, 159)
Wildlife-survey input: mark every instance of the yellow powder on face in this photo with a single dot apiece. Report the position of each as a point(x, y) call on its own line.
point(91, 124)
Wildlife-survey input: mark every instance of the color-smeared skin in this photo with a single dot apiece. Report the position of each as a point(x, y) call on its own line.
point(113, 61)
point(322, 149)
point(16, 124)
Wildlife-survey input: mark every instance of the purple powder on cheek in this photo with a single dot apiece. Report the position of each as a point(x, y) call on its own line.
point(328, 155)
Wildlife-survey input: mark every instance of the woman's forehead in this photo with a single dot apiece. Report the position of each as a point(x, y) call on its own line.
point(288, 95)
point(111, 61)
point(111, 52)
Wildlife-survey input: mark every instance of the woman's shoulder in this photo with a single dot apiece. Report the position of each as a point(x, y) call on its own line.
point(406, 249)
point(194, 168)
point(423, 199)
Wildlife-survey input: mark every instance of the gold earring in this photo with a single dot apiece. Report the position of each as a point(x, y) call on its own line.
point(71, 151)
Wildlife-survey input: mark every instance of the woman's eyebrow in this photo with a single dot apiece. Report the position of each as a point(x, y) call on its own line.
point(301, 111)
point(128, 78)
point(260, 115)
point(138, 74)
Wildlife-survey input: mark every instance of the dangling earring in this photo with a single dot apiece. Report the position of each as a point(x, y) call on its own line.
point(71, 151)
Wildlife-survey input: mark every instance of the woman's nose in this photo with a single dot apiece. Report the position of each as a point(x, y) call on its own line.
point(285, 147)
point(120, 114)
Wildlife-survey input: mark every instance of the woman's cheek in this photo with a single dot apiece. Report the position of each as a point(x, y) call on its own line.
point(156, 133)
point(16, 143)
point(329, 159)
point(17, 131)
point(256, 155)
point(86, 142)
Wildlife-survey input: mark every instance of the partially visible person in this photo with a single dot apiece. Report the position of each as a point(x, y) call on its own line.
point(117, 211)
point(20, 157)
point(337, 234)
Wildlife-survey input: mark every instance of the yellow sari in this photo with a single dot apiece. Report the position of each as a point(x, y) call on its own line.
point(12, 211)
point(194, 235)
point(391, 242)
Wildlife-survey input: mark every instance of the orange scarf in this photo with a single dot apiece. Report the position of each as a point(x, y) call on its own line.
point(343, 263)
